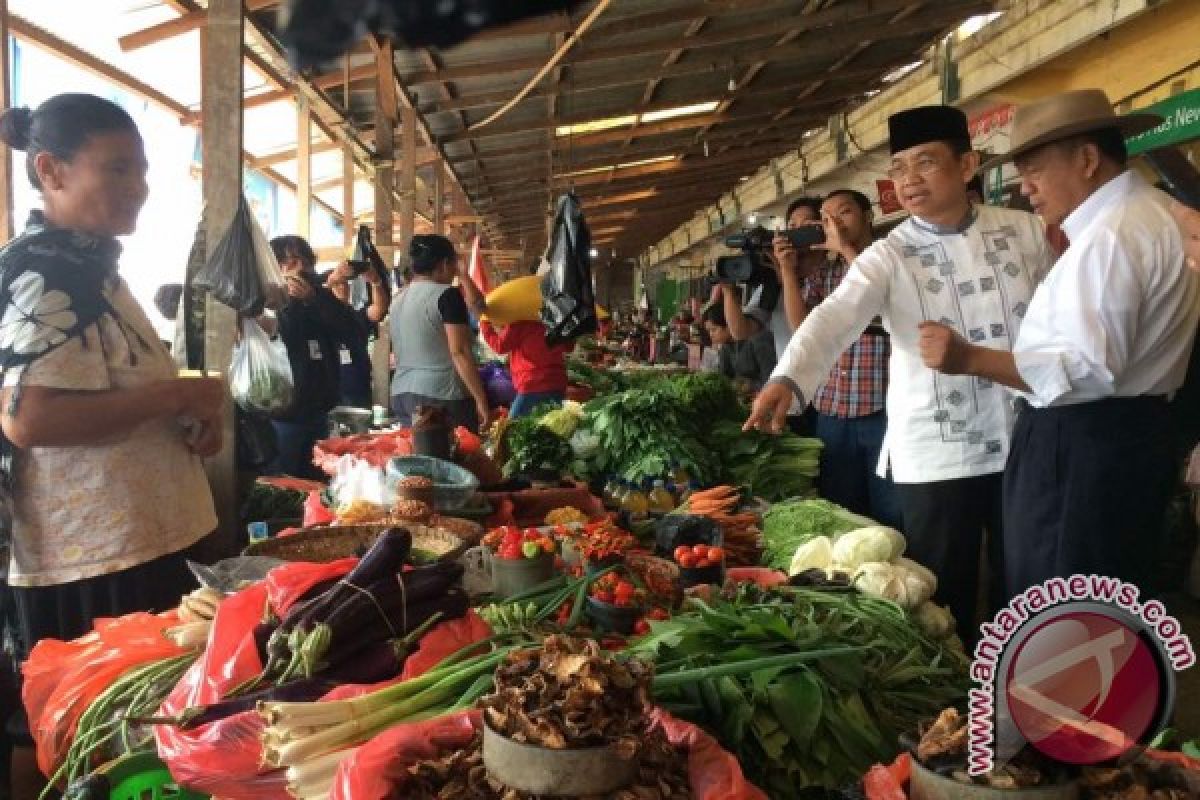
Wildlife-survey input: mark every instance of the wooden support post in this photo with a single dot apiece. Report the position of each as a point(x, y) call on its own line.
point(349, 227)
point(304, 193)
point(408, 175)
point(439, 198)
point(386, 106)
point(7, 230)
point(222, 180)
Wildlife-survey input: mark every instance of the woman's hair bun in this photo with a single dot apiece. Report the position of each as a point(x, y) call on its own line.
point(16, 124)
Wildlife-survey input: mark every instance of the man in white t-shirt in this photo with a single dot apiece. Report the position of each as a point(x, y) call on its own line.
point(972, 268)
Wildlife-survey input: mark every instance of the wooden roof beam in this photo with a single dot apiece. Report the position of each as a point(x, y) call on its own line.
point(27, 31)
point(831, 41)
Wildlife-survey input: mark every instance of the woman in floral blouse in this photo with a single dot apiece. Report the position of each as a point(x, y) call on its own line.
point(102, 441)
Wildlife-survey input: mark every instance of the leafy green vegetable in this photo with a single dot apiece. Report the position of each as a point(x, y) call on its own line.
point(788, 525)
point(534, 448)
point(642, 433)
point(772, 467)
point(269, 502)
point(811, 723)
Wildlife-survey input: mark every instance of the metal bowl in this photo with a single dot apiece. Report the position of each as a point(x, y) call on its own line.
point(928, 785)
point(555, 773)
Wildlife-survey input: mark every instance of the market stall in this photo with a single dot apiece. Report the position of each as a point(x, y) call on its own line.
point(678, 605)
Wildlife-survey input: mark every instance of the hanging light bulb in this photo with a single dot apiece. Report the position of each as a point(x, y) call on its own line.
point(594, 253)
point(706, 148)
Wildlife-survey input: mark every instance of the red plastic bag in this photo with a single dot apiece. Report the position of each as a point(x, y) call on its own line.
point(224, 758)
point(287, 584)
point(315, 512)
point(378, 769)
point(62, 679)
point(890, 782)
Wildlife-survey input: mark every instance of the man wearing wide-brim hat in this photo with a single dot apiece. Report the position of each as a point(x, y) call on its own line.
point(1105, 342)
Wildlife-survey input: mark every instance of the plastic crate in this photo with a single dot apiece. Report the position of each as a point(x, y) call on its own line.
point(453, 486)
point(142, 776)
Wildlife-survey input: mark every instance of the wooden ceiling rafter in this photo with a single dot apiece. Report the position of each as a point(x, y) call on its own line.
point(831, 41)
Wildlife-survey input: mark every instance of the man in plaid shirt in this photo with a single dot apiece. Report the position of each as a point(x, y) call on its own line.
point(851, 420)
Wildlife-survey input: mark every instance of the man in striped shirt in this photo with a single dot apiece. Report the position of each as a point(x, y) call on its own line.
point(851, 420)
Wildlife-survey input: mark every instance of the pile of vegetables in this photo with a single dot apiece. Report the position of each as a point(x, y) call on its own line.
point(771, 467)
point(790, 524)
point(821, 721)
point(873, 558)
point(512, 544)
point(585, 374)
point(266, 502)
point(535, 449)
point(117, 721)
point(642, 432)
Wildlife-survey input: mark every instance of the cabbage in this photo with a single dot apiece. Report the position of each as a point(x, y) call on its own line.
point(561, 422)
point(816, 553)
point(865, 545)
point(919, 582)
point(880, 579)
point(584, 444)
point(935, 621)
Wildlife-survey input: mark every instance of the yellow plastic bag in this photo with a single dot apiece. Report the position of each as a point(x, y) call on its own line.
point(516, 301)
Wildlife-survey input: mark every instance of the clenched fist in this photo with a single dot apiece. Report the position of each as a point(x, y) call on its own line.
point(943, 349)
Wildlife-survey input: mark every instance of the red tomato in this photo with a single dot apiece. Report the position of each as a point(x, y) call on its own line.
point(603, 596)
point(687, 561)
point(659, 614)
point(681, 551)
point(641, 627)
point(716, 555)
point(700, 551)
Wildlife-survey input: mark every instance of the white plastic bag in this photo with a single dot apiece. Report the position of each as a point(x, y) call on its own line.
point(260, 376)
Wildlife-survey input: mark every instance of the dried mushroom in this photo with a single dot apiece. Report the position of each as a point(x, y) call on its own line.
point(567, 694)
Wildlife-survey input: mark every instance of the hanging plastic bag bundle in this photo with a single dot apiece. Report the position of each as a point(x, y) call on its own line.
point(241, 270)
point(364, 259)
point(568, 300)
point(260, 376)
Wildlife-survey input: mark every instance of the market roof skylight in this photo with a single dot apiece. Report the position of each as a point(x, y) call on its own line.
point(633, 119)
point(900, 72)
point(623, 165)
point(976, 23)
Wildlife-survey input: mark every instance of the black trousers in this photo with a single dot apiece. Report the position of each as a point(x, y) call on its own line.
point(1086, 489)
point(946, 524)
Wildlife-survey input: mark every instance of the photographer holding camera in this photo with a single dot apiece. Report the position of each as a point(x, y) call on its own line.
point(850, 419)
point(775, 301)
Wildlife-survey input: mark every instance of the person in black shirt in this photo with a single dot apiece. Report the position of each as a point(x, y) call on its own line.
point(354, 357)
point(314, 327)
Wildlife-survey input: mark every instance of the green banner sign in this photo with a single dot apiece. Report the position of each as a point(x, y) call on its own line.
point(1181, 123)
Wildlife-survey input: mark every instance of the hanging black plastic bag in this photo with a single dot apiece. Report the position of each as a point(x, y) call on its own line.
point(315, 32)
point(241, 270)
point(366, 259)
point(568, 300)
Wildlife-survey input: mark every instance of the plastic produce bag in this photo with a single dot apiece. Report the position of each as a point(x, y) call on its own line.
point(260, 376)
point(62, 679)
point(568, 299)
point(498, 384)
point(377, 770)
point(241, 270)
point(674, 530)
point(224, 758)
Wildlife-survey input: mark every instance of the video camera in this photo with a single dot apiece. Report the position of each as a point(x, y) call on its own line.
point(753, 265)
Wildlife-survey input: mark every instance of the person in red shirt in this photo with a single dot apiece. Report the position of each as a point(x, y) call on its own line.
point(539, 372)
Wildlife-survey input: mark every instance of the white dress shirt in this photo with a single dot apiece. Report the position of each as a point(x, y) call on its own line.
point(978, 280)
point(1117, 315)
